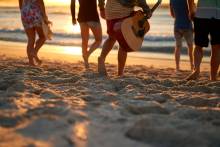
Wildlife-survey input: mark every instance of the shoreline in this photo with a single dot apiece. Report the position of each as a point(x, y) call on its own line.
point(73, 54)
point(147, 47)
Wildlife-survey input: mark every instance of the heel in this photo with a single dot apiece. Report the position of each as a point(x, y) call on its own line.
point(39, 62)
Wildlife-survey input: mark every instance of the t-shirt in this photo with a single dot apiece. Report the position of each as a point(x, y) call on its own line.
point(115, 10)
point(208, 9)
point(180, 9)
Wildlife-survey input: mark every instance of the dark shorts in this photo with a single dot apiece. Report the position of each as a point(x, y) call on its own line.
point(115, 32)
point(205, 27)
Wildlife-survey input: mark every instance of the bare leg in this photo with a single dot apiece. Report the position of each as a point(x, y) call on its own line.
point(190, 53)
point(39, 43)
point(178, 34)
point(177, 57)
point(107, 46)
point(85, 37)
point(215, 61)
point(197, 55)
point(97, 32)
point(30, 45)
point(122, 56)
point(189, 40)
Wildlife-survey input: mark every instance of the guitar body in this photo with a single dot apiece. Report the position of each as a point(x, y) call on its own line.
point(140, 29)
point(135, 27)
point(130, 29)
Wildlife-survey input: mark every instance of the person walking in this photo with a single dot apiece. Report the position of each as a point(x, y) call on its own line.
point(33, 15)
point(88, 19)
point(115, 11)
point(182, 29)
point(206, 22)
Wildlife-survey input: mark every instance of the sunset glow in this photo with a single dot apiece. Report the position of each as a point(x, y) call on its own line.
point(72, 51)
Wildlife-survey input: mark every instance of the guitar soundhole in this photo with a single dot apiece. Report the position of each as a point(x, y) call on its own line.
point(141, 23)
point(141, 32)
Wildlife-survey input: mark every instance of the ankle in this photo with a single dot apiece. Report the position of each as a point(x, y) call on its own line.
point(100, 58)
point(213, 78)
point(196, 71)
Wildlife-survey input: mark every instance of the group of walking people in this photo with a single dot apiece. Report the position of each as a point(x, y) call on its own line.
point(206, 18)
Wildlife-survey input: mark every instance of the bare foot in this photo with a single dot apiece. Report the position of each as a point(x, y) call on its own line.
point(31, 63)
point(121, 75)
point(213, 78)
point(177, 71)
point(193, 76)
point(86, 62)
point(192, 68)
point(39, 62)
point(36, 58)
point(101, 67)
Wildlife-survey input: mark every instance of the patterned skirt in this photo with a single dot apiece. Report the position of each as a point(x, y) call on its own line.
point(31, 16)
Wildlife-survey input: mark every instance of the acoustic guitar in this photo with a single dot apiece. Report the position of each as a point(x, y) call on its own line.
point(135, 27)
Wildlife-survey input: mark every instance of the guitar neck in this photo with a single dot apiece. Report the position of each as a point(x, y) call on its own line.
point(156, 5)
point(153, 9)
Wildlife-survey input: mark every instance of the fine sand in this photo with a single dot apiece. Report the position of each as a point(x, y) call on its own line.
point(60, 104)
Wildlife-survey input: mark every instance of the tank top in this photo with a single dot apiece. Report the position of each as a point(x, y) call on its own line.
point(88, 11)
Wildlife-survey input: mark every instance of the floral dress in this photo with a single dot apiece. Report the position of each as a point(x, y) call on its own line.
point(31, 14)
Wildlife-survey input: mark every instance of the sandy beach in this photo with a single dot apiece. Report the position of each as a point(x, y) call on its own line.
point(60, 104)
point(72, 54)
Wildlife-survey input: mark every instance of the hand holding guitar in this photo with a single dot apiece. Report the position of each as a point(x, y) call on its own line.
point(135, 27)
point(148, 14)
point(140, 21)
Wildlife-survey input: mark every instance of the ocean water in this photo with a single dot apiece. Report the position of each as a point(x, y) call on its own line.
point(158, 40)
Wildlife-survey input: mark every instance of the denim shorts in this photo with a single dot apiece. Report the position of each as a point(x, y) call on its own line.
point(187, 34)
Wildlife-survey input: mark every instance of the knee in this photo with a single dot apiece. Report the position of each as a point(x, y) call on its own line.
point(85, 40)
point(122, 51)
point(111, 39)
point(216, 51)
point(178, 45)
point(177, 48)
point(31, 41)
point(98, 41)
point(198, 49)
point(216, 48)
point(42, 38)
